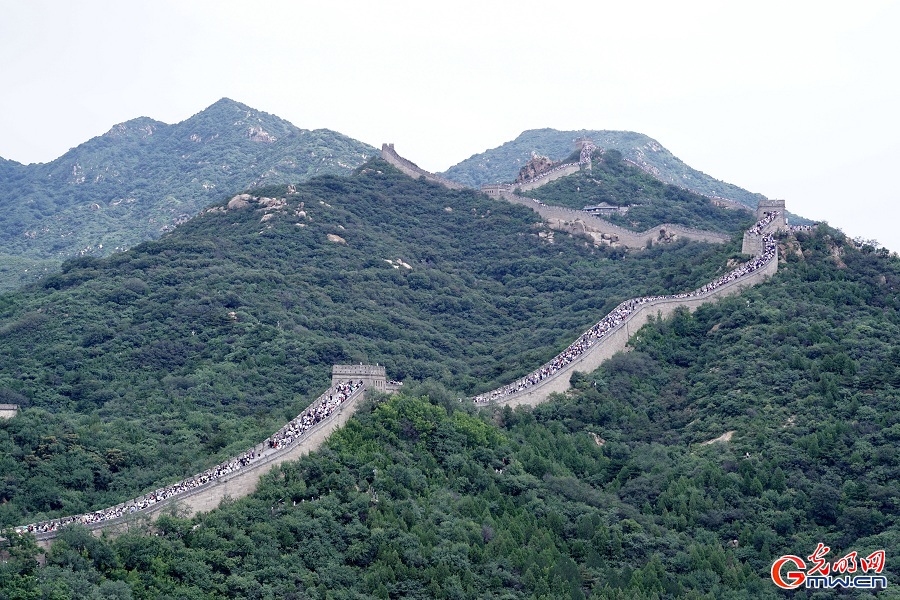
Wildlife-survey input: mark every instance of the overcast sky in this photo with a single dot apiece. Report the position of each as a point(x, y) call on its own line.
point(791, 99)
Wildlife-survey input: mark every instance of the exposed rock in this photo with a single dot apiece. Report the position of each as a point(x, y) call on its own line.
point(534, 167)
point(257, 134)
point(725, 437)
point(336, 238)
point(272, 203)
point(239, 201)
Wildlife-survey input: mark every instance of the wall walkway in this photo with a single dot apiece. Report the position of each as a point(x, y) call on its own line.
point(413, 170)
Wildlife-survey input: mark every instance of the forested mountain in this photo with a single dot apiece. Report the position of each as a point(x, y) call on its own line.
point(609, 492)
point(758, 426)
point(502, 164)
point(143, 177)
point(152, 364)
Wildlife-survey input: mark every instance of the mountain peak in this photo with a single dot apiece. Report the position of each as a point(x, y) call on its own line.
point(140, 127)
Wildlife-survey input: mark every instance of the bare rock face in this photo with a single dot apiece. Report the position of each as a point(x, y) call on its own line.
point(258, 134)
point(239, 201)
point(336, 239)
point(534, 167)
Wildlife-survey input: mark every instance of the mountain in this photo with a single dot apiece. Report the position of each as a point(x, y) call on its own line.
point(154, 362)
point(143, 178)
point(502, 164)
point(754, 428)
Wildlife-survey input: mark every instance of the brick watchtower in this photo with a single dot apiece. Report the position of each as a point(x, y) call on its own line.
point(373, 376)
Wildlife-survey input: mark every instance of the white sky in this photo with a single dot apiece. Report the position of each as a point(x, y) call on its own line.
point(792, 99)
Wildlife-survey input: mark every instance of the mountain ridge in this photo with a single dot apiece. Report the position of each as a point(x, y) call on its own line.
point(501, 164)
point(142, 177)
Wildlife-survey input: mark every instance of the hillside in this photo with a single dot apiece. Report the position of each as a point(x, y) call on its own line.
point(502, 164)
point(152, 364)
point(144, 177)
point(610, 492)
point(648, 201)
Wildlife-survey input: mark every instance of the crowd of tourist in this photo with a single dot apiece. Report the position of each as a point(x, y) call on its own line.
point(587, 151)
point(761, 224)
point(323, 408)
point(623, 312)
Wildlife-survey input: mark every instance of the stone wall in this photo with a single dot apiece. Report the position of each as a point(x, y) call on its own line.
point(561, 171)
point(235, 485)
point(8, 411)
point(624, 237)
point(617, 339)
point(413, 170)
point(373, 376)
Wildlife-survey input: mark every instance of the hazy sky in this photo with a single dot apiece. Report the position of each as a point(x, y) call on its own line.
point(792, 99)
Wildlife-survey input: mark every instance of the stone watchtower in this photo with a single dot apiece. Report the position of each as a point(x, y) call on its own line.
point(753, 243)
point(373, 376)
point(766, 207)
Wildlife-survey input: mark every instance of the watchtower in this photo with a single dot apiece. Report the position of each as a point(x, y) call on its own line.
point(8, 411)
point(373, 376)
point(496, 190)
point(767, 207)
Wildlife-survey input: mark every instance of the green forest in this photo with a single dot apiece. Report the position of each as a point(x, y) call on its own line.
point(151, 365)
point(610, 491)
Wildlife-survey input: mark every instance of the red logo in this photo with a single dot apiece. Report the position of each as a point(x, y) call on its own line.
point(827, 575)
point(795, 578)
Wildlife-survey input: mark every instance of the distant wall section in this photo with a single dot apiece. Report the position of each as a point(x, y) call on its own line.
point(413, 170)
point(571, 220)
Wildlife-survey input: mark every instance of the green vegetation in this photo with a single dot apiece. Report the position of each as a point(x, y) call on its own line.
point(144, 177)
point(153, 364)
point(502, 164)
point(615, 182)
point(606, 493)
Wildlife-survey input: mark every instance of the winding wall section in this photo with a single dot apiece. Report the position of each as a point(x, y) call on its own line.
point(599, 347)
point(625, 237)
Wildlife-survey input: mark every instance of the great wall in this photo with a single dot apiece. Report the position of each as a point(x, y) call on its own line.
point(563, 219)
point(594, 349)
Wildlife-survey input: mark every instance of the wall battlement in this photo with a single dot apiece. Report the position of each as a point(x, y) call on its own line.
point(8, 411)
